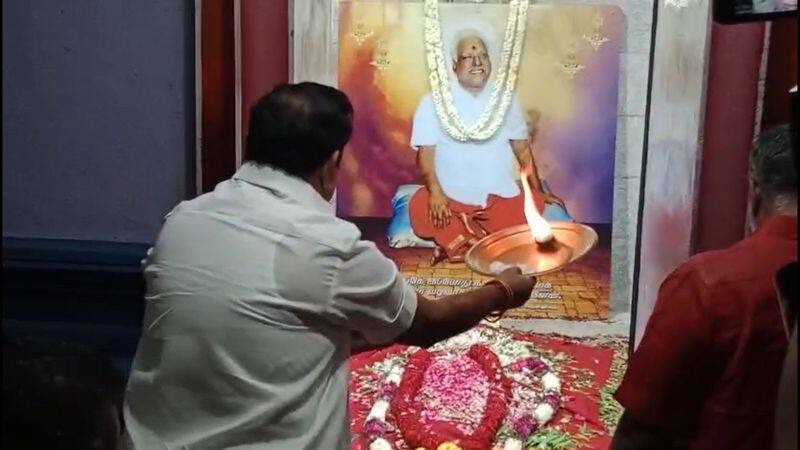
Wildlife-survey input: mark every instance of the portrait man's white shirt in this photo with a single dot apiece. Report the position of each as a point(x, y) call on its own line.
point(470, 171)
point(768, 6)
point(252, 291)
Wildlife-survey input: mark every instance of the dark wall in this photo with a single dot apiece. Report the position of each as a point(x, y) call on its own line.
point(98, 144)
point(98, 117)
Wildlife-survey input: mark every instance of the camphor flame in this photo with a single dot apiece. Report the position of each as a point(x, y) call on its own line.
point(541, 230)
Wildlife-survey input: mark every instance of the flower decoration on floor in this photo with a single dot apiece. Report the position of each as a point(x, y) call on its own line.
point(375, 427)
point(547, 398)
point(484, 389)
point(452, 401)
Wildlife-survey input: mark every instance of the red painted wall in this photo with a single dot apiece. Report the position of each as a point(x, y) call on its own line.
point(218, 154)
point(265, 51)
point(731, 101)
point(265, 63)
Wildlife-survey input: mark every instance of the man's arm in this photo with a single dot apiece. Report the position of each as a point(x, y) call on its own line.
point(438, 210)
point(371, 299)
point(527, 163)
point(522, 150)
point(634, 435)
point(674, 368)
point(436, 320)
point(360, 344)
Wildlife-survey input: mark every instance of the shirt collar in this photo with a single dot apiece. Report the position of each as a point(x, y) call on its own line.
point(283, 185)
point(782, 226)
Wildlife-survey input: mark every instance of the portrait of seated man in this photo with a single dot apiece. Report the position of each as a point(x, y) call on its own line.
point(765, 6)
point(471, 188)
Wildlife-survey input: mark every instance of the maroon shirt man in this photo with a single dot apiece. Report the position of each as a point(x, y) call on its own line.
point(706, 373)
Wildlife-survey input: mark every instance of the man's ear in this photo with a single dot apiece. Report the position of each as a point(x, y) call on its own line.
point(337, 158)
point(757, 202)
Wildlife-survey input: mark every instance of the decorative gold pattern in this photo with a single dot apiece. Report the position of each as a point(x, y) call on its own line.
point(382, 59)
point(571, 66)
point(361, 33)
point(596, 39)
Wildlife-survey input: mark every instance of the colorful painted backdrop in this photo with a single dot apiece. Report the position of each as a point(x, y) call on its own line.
point(568, 87)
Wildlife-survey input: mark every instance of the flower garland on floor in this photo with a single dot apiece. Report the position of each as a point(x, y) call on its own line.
point(504, 85)
point(532, 395)
point(375, 427)
point(527, 422)
point(423, 427)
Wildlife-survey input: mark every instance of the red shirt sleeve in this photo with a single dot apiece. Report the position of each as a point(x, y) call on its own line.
point(672, 371)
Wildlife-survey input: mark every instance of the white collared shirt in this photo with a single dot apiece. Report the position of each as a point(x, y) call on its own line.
point(469, 171)
point(252, 292)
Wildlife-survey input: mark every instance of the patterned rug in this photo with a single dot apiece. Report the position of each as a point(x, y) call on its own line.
point(589, 370)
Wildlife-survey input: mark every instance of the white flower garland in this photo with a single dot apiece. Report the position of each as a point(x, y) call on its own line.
point(381, 406)
point(503, 88)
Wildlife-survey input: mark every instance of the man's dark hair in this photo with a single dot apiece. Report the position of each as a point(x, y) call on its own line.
point(772, 165)
point(58, 395)
point(297, 127)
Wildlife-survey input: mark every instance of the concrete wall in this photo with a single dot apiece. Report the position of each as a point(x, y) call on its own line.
point(98, 113)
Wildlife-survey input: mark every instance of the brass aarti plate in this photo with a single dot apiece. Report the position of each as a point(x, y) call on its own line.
point(515, 247)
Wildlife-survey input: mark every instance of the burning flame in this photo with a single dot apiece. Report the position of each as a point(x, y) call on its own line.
point(540, 229)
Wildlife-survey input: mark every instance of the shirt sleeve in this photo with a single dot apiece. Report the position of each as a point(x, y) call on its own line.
point(371, 296)
point(515, 127)
point(670, 375)
point(425, 129)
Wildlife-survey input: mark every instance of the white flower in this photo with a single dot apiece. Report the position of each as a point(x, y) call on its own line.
point(378, 410)
point(551, 382)
point(395, 375)
point(512, 444)
point(466, 339)
point(380, 444)
point(543, 413)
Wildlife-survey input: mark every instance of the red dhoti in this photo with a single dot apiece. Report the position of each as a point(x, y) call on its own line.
point(469, 223)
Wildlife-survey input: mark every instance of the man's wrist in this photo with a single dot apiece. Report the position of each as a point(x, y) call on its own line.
point(435, 189)
point(506, 300)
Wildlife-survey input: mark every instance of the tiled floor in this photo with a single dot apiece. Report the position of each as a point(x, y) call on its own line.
point(580, 292)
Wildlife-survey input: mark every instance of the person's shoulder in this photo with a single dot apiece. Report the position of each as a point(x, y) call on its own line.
point(331, 232)
point(205, 201)
point(425, 104)
point(738, 262)
point(697, 278)
point(188, 206)
point(716, 278)
point(426, 98)
point(709, 268)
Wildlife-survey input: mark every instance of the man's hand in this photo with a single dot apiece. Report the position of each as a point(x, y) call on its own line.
point(438, 209)
point(520, 285)
point(359, 344)
point(436, 320)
